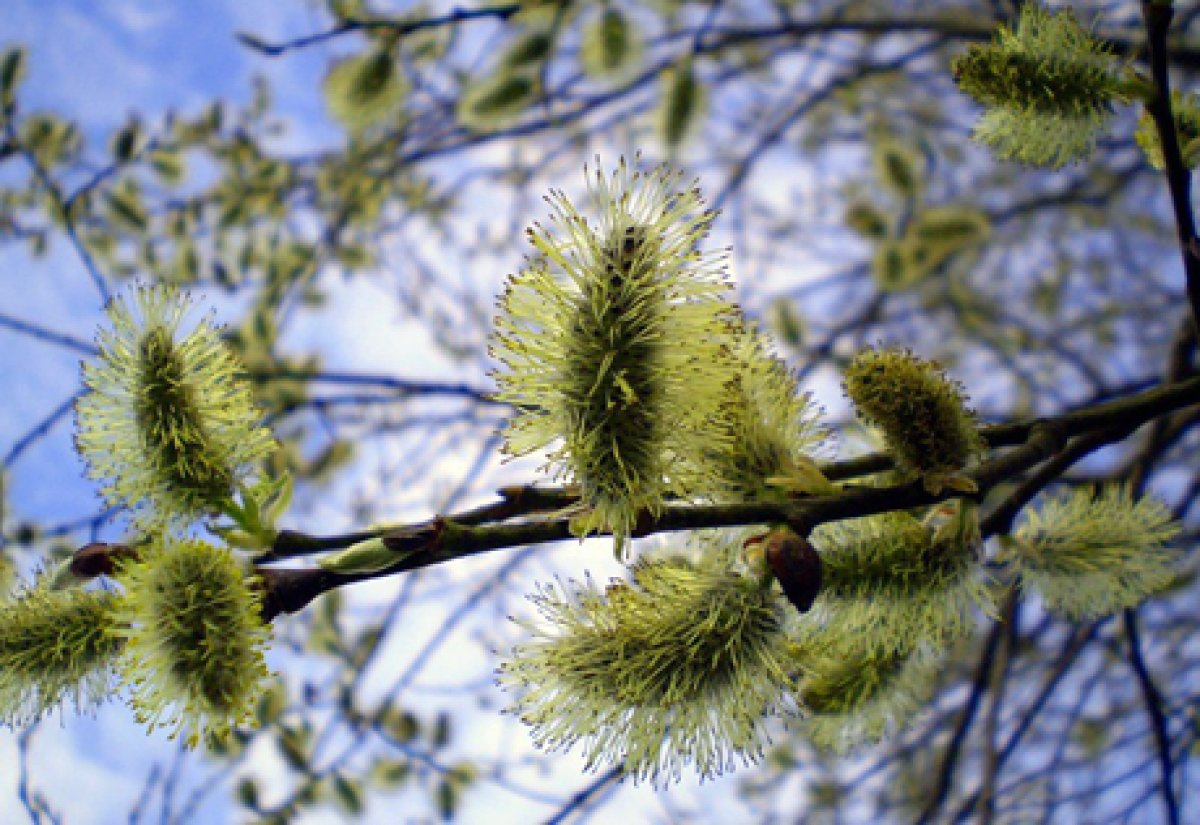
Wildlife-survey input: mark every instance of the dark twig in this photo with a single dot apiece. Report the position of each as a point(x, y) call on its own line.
point(1158, 21)
point(1158, 719)
point(396, 28)
point(586, 794)
point(949, 764)
point(991, 723)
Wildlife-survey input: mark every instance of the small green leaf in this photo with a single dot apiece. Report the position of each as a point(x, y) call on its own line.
point(867, 220)
point(787, 323)
point(329, 460)
point(492, 103)
point(529, 49)
point(348, 794)
point(272, 703)
point(610, 46)
point(683, 103)
point(365, 557)
point(247, 793)
point(441, 730)
point(365, 89)
point(446, 798)
point(954, 226)
point(390, 773)
point(891, 267)
point(125, 203)
point(294, 744)
point(401, 725)
point(168, 165)
point(126, 142)
point(898, 167)
point(12, 72)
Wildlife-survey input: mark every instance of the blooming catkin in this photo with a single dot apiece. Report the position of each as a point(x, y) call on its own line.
point(923, 415)
point(55, 645)
point(854, 698)
point(679, 666)
point(891, 584)
point(1089, 553)
point(1048, 86)
point(168, 426)
point(764, 430)
point(610, 341)
point(194, 638)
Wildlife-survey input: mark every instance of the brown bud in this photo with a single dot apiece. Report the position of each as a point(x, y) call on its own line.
point(98, 559)
point(796, 565)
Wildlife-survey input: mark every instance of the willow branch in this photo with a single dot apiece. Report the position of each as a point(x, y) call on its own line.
point(531, 517)
point(1158, 22)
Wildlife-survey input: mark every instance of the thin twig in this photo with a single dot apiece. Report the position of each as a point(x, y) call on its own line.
point(1158, 16)
point(1158, 718)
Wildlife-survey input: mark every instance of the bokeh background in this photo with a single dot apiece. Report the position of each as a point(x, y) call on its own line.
point(354, 260)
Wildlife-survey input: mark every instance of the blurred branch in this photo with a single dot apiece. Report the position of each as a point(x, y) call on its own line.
point(1179, 177)
point(1158, 719)
point(396, 28)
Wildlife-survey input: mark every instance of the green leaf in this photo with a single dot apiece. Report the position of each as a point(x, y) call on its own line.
point(126, 142)
point(529, 49)
point(441, 730)
point(610, 46)
point(867, 220)
point(272, 703)
point(787, 323)
point(891, 267)
point(390, 773)
point(168, 165)
point(295, 743)
point(401, 725)
point(365, 557)
point(446, 799)
point(125, 203)
point(329, 460)
point(348, 795)
point(898, 167)
point(497, 101)
point(247, 793)
point(954, 227)
point(12, 72)
point(365, 89)
point(683, 103)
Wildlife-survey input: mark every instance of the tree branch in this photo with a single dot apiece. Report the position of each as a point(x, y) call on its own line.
point(447, 538)
point(1158, 22)
point(1158, 719)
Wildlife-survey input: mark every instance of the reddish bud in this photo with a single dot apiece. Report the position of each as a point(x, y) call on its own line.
point(796, 565)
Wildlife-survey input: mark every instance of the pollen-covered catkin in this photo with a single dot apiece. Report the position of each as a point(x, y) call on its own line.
point(168, 425)
point(678, 667)
point(194, 638)
point(55, 646)
point(1048, 86)
point(610, 341)
point(923, 414)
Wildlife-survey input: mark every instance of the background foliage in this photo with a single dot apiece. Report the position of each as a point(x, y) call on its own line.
point(355, 260)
